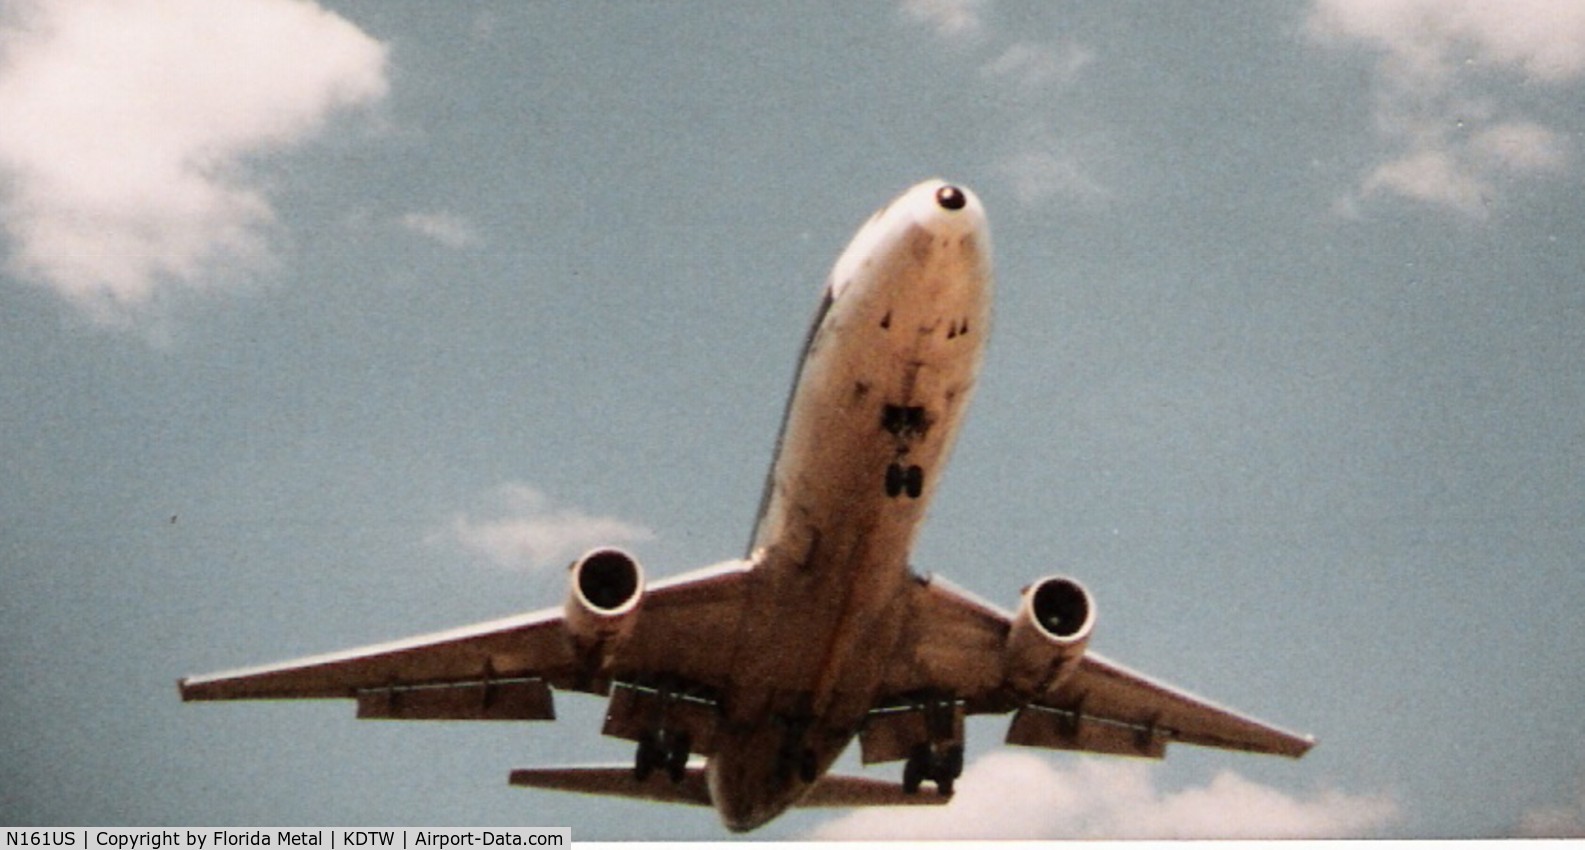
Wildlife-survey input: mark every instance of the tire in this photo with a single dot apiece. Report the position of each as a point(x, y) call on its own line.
point(915, 769)
point(808, 766)
point(647, 758)
point(896, 481)
point(677, 759)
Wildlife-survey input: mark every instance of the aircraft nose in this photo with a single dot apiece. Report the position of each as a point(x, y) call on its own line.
point(951, 198)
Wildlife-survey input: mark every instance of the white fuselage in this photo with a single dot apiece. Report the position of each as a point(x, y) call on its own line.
point(885, 379)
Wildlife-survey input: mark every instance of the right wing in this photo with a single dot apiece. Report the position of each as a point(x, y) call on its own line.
point(957, 647)
point(1104, 705)
point(502, 669)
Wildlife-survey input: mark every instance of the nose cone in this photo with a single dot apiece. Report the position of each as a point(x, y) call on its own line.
point(940, 205)
point(944, 213)
point(951, 198)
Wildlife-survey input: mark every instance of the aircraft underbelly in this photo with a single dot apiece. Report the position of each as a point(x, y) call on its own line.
point(885, 383)
point(880, 397)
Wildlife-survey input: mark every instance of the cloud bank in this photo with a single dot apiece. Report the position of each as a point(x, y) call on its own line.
point(126, 128)
point(1020, 795)
point(521, 529)
point(1452, 140)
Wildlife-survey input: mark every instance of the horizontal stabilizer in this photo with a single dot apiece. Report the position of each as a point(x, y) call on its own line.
point(617, 782)
point(832, 791)
point(828, 792)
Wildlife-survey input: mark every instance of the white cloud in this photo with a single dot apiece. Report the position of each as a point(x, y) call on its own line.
point(1433, 176)
point(1542, 39)
point(449, 229)
point(523, 530)
point(1520, 146)
point(951, 19)
point(1040, 173)
point(1025, 78)
point(1450, 144)
point(1566, 821)
point(126, 128)
point(1035, 65)
point(1020, 795)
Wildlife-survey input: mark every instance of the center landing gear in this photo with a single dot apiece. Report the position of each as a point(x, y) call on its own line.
point(795, 754)
point(942, 766)
point(940, 757)
point(660, 750)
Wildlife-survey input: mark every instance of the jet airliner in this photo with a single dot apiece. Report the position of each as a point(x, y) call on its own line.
point(739, 684)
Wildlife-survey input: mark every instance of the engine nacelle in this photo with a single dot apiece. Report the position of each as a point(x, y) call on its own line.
point(1049, 634)
point(603, 601)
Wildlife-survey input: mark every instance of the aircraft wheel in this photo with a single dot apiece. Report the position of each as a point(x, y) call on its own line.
point(647, 758)
point(914, 770)
point(952, 762)
point(808, 765)
point(896, 480)
point(914, 482)
point(677, 760)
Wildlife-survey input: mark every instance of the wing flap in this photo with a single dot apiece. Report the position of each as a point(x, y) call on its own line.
point(1037, 726)
point(1102, 690)
point(511, 699)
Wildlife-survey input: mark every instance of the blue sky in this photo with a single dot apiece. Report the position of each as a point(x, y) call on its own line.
point(325, 324)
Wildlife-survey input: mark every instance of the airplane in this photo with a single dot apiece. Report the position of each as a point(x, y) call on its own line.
point(741, 683)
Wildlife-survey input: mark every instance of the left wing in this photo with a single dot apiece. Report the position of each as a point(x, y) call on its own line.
point(958, 648)
point(502, 669)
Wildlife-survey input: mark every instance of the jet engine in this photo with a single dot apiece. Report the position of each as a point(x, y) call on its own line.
point(1049, 634)
point(602, 603)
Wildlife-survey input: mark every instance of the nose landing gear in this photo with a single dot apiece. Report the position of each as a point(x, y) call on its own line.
point(901, 479)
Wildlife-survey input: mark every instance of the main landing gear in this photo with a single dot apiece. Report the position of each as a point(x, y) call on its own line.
point(662, 750)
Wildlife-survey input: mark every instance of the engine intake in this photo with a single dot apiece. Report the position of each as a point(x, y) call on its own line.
point(1049, 634)
point(603, 601)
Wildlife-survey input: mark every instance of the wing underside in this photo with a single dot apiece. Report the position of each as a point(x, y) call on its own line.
point(680, 651)
point(1103, 707)
point(504, 669)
